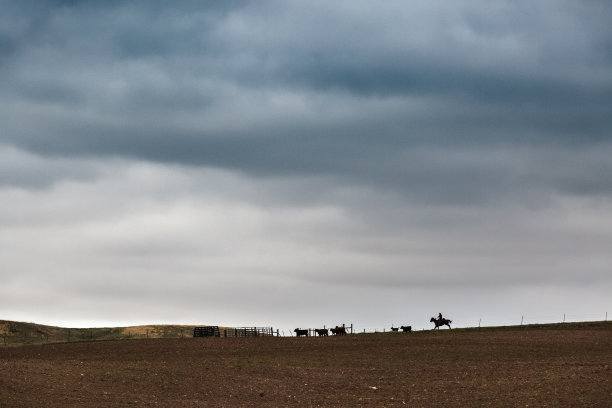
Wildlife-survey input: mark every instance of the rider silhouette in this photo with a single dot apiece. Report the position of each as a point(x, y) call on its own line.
point(439, 317)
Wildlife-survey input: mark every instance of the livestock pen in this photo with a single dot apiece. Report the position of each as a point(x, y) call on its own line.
point(216, 331)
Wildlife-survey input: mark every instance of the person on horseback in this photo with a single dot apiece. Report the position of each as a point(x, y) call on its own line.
point(440, 321)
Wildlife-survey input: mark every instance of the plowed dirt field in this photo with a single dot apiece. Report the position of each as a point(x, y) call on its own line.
point(515, 368)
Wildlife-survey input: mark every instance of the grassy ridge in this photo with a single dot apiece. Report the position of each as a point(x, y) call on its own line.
point(20, 333)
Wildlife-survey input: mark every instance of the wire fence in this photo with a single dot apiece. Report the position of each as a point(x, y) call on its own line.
point(527, 319)
point(474, 322)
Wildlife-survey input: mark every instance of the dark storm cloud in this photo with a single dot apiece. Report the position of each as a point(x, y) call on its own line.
point(404, 97)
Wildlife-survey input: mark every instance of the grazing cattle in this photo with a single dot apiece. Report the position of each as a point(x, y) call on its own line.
point(440, 322)
point(301, 332)
point(338, 331)
point(394, 328)
point(406, 329)
point(322, 332)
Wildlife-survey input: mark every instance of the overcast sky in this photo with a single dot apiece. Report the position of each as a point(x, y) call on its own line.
point(305, 163)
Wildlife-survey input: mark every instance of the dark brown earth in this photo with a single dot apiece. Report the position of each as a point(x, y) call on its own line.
point(538, 367)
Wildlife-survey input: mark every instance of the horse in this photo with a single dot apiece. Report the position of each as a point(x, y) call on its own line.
point(322, 332)
point(301, 332)
point(441, 322)
point(406, 329)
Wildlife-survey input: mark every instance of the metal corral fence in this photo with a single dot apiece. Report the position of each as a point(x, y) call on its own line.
point(215, 331)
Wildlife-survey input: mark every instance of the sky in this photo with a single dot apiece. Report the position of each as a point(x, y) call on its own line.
point(305, 163)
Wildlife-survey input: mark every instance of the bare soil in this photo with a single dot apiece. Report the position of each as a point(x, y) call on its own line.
point(540, 367)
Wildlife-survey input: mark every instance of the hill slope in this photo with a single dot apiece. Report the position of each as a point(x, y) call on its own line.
point(20, 333)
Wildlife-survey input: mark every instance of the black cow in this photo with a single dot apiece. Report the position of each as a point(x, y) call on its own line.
point(394, 328)
point(322, 332)
point(406, 329)
point(338, 331)
point(301, 332)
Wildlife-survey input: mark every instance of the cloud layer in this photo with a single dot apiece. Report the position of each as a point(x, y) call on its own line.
point(291, 159)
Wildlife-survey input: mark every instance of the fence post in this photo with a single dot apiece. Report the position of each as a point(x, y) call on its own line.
point(521, 320)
